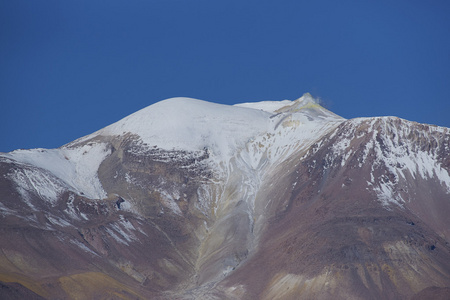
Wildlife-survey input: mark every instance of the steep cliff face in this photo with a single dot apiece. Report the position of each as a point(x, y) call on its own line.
point(187, 199)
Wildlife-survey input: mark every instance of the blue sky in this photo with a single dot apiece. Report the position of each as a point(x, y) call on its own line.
point(69, 68)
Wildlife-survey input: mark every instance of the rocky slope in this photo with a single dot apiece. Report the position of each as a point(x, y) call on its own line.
point(187, 199)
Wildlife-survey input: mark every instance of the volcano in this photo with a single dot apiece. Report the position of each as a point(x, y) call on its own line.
point(187, 199)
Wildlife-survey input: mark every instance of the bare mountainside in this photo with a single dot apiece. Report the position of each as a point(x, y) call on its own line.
point(187, 199)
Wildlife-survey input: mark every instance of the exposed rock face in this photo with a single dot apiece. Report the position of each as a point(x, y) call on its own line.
point(334, 235)
point(301, 204)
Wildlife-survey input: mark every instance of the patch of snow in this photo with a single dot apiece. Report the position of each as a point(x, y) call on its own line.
point(126, 224)
point(41, 183)
point(76, 168)
point(127, 206)
point(169, 201)
point(70, 210)
point(113, 234)
point(387, 195)
point(403, 157)
point(57, 221)
point(206, 199)
point(126, 234)
point(86, 161)
point(398, 152)
point(83, 247)
point(129, 179)
point(122, 231)
point(6, 211)
point(395, 147)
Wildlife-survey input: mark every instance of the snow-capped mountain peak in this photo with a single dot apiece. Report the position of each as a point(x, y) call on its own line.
point(191, 125)
point(187, 199)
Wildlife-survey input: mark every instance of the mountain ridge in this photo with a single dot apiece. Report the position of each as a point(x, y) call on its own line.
point(268, 200)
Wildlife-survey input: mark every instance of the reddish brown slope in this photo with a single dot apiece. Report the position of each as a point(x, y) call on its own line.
point(332, 235)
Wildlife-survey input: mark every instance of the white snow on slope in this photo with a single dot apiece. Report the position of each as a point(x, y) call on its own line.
point(35, 180)
point(191, 125)
point(295, 126)
point(76, 168)
point(403, 159)
point(393, 145)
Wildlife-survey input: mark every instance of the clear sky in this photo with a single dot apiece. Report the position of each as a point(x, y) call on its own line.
point(69, 68)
